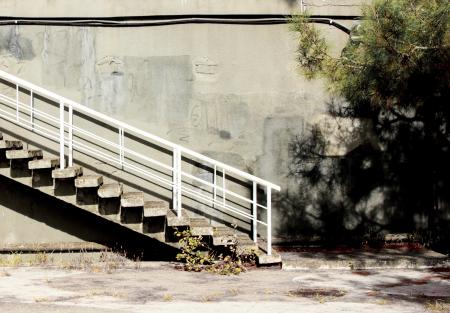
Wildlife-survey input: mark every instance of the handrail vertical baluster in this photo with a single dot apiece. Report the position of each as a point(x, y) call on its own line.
point(223, 188)
point(255, 212)
point(215, 187)
point(121, 147)
point(70, 136)
point(176, 181)
point(179, 184)
point(31, 110)
point(17, 102)
point(62, 164)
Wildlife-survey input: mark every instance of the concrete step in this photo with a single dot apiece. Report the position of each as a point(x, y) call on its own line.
point(11, 144)
point(200, 227)
point(42, 171)
point(69, 172)
point(88, 181)
point(45, 163)
point(23, 154)
point(112, 190)
point(87, 191)
point(64, 182)
point(6, 145)
point(225, 236)
point(265, 259)
point(155, 208)
point(132, 199)
point(174, 221)
point(360, 259)
point(19, 162)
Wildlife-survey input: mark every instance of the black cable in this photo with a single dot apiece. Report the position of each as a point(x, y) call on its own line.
point(161, 20)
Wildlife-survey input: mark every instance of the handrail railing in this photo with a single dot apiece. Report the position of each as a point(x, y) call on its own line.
point(178, 153)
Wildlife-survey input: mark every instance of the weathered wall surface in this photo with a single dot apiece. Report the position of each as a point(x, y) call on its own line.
point(230, 91)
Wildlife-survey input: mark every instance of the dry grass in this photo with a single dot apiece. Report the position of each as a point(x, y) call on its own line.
point(383, 302)
point(105, 262)
point(167, 297)
point(437, 306)
point(41, 299)
point(12, 260)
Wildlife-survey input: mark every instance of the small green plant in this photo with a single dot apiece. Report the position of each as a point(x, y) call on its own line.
point(194, 252)
point(198, 256)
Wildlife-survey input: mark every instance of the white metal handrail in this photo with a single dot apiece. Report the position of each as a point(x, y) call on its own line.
point(220, 192)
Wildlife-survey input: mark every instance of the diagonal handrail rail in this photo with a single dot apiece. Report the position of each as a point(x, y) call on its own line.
point(177, 152)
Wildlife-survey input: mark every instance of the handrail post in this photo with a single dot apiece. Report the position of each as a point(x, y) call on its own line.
point(174, 180)
point(269, 220)
point(62, 164)
point(255, 212)
point(70, 135)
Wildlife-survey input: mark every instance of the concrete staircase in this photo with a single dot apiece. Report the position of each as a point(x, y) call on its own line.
point(113, 200)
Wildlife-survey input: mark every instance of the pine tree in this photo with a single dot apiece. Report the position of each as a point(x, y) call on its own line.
point(395, 72)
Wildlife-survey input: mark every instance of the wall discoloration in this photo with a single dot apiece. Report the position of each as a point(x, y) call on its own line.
point(14, 43)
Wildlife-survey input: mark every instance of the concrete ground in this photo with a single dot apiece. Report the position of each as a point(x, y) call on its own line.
point(159, 287)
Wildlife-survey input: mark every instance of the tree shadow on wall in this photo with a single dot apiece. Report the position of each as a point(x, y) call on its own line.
point(388, 174)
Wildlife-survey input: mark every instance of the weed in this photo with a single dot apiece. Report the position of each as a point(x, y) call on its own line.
point(437, 306)
point(12, 260)
point(40, 258)
point(167, 297)
point(95, 292)
point(211, 297)
point(233, 291)
point(41, 299)
point(320, 298)
point(198, 256)
point(383, 302)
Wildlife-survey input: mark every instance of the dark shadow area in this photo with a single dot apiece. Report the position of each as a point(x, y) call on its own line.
point(79, 223)
point(395, 180)
point(19, 168)
point(109, 206)
point(87, 196)
point(154, 224)
point(65, 187)
point(131, 215)
point(42, 178)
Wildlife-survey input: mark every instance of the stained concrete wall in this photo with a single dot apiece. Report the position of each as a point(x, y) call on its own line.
point(233, 92)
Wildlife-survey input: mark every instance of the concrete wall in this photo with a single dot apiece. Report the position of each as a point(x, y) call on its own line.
point(229, 91)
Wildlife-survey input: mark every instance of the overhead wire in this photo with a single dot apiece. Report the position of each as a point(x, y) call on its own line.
point(162, 20)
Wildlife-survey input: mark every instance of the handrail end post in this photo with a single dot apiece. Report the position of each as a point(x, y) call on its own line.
point(269, 221)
